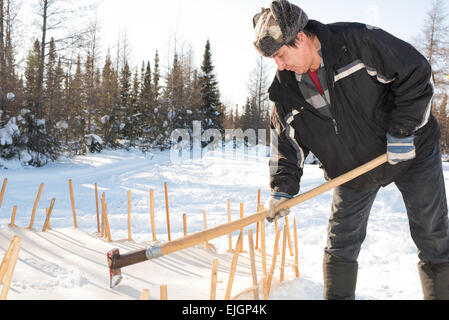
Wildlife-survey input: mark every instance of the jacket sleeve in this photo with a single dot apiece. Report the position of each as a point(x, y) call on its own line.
point(287, 155)
point(396, 63)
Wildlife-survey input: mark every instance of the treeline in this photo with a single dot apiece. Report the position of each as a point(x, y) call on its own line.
point(68, 101)
point(65, 98)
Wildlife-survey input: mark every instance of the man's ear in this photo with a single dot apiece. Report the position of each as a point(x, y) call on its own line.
point(301, 36)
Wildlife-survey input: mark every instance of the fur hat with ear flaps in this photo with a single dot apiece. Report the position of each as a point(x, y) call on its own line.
point(277, 26)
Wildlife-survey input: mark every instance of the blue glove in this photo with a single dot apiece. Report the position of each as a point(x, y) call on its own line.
point(270, 205)
point(400, 149)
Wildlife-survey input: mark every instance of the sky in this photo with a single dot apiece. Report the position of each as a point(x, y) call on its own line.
point(154, 25)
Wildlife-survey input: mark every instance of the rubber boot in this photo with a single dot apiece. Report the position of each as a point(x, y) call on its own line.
point(434, 280)
point(340, 278)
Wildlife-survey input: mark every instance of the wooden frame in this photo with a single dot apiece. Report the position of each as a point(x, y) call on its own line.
point(97, 207)
point(262, 245)
point(145, 294)
point(8, 265)
point(184, 223)
point(289, 238)
point(265, 288)
point(235, 258)
point(206, 243)
point(47, 218)
point(102, 233)
point(242, 231)
point(273, 263)
point(284, 240)
point(129, 216)
point(167, 210)
point(296, 265)
point(33, 213)
point(153, 224)
point(164, 295)
point(229, 221)
point(2, 193)
point(107, 230)
point(13, 217)
point(213, 281)
point(72, 201)
point(258, 222)
point(253, 264)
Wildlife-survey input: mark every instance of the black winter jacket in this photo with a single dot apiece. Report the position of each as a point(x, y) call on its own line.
point(377, 84)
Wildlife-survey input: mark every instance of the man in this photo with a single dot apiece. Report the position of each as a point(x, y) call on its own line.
point(349, 92)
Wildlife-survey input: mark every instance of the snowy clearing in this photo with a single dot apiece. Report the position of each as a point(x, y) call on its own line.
point(65, 263)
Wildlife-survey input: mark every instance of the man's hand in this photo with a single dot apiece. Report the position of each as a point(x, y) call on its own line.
point(400, 149)
point(271, 204)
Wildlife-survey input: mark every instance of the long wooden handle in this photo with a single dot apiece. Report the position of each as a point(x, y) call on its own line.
point(212, 233)
point(199, 237)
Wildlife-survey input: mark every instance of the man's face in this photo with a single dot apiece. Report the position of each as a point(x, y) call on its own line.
point(294, 59)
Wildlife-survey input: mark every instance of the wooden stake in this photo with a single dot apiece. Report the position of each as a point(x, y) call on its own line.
point(2, 193)
point(164, 292)
point(253, 264)
point(153, 225)
point(7, 258)
point(238, 247)
point(241, 230)
point(102, 234)
point(35, 206)
point(13, 217)
point(96, 204)
point(206, 244)
point(229, 221)
point(284, 244)
point(168, 211)
point(72, 201)
point(258, 222)
point(47, 219)
point(265, 288)
point(10, 269)
point(184, 222)
point(289, 238)
point(145, 294)
point(129, 216)
point(107, 230)
point(295, 234)
point(262, 244)
point(213, 282)
point(273, 263)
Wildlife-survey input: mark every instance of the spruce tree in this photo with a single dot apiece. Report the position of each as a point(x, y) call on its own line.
point(109, 105)
point(125, 93)
point(211, 109)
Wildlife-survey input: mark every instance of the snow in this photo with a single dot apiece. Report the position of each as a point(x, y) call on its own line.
point(68, 263)
point(7, 133)
point(93, 138)
point(62, 124)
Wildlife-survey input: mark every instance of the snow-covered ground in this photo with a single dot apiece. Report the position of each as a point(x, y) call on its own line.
point(65, 263)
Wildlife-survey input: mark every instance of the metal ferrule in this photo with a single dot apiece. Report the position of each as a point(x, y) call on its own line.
point(154, 252)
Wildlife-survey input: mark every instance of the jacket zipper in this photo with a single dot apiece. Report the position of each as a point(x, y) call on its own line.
point(333, 119)
point(331, 92)
point(335, 126)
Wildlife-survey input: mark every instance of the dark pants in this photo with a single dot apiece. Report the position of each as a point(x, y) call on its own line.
point(422, 188)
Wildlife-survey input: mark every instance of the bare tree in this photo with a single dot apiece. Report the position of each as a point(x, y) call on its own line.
point(8, 15)
point(435, 45)
point(258, 90)
point(54, 17)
